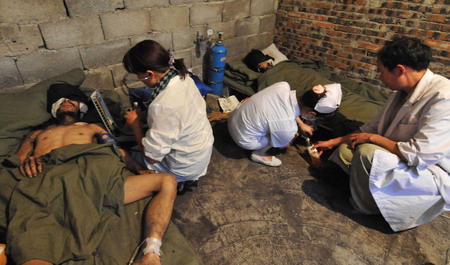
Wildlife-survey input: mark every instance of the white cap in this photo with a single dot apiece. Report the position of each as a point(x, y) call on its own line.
point(331, 101)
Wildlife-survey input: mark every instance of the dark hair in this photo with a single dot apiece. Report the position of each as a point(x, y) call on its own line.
point(407, 51)
point(310, 98)
point(254, 57)
point(150, 55)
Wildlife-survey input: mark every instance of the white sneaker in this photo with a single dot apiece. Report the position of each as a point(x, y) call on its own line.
point(275, 162)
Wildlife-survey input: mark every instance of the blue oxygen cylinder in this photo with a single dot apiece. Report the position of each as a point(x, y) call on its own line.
point(218, 61)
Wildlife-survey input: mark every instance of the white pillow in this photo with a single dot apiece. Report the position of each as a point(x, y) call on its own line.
point(273, 51)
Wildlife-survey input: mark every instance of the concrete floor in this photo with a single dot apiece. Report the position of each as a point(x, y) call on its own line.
point(247, 213)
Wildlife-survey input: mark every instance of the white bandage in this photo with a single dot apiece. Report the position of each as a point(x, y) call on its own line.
point(153, 245)
point(55, 106)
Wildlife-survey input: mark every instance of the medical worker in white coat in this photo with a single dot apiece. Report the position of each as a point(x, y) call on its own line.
point(271, 117)
point(179, 140)
point(399, 162)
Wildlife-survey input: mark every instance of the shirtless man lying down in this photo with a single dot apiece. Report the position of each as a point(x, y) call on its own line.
point(69, 130)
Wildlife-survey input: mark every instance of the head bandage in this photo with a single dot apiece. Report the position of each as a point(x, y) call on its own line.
point(331, 101)
point(55, 107)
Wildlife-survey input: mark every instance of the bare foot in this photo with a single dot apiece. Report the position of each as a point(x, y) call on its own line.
point(149, 259)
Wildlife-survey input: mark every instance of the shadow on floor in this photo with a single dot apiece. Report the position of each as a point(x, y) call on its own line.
point(330, 188)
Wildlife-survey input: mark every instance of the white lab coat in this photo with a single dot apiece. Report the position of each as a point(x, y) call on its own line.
point(413, 192)
point(180, 136)
point(267, 118)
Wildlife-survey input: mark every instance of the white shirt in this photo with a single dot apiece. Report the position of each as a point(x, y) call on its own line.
point(180, 135)
point(414, 192)
point(268, 117)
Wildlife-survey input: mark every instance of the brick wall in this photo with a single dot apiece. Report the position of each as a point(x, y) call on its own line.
point(346, 34)
point(43, 38)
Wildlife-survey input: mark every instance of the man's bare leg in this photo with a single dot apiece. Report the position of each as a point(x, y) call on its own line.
point(159, 210)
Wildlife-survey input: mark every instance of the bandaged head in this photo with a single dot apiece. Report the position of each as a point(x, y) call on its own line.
point(83, 108)
point(58, 92)
point(332, 99)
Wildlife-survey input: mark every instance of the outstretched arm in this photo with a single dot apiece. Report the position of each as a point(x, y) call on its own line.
point(102, 136)
point(304, 128)
point(332, 143)
point(359, 137)
point(134, 122)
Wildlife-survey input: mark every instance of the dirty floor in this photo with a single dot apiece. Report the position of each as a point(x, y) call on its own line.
point(247, 213)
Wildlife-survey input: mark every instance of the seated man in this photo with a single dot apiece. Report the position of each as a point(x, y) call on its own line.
point(271, 118)
point(399, 163)
point(70, 132)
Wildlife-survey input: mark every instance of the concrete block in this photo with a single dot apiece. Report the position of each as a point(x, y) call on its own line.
point(72, 32)
point(186, 39)
point(139, 4)
point(104, 54)
point(200, 57)
point(43, 65)
point(267, 23)
point(263, 7)
point(118, 73)
point(247, 26)
point(226, 27)
point(180, 2)
point(236, 46)
point(163, 38)
point(206, 13)
point(87, 7)
point(236, 10)
point(170, 19)
point(198, 71)
point(10, 74)
point(19, 39)
point(99, 79)
point(124, 24)
point(31, 10)
point(259, 41)
point(186, 55)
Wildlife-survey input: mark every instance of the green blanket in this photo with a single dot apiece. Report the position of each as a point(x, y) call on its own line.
point(73, 212)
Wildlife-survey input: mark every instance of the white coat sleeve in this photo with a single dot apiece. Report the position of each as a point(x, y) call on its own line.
point(431, 142)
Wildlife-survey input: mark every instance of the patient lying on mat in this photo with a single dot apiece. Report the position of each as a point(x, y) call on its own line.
point(258, 61)
point(66, 108)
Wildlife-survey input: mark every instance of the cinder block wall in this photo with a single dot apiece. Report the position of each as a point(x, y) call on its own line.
point(346, 34)
point(43, 38)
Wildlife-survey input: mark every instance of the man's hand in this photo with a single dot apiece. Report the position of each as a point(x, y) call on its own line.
point(32, 166)
point(131, 117)
point(327, 145)
point(359, 138)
